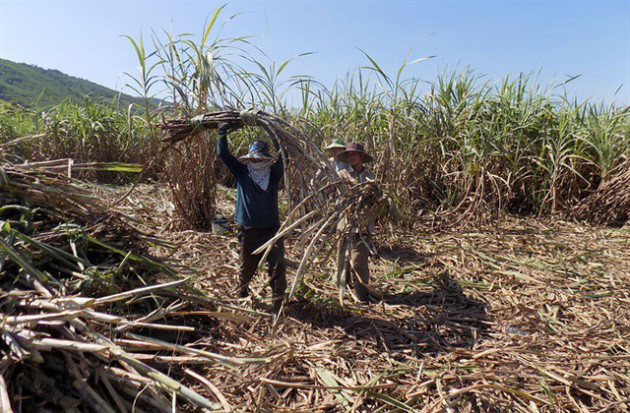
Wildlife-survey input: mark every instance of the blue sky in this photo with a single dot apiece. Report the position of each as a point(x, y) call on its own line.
point(557, 39)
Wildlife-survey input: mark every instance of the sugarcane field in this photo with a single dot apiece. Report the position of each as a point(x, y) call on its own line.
point(249, 241)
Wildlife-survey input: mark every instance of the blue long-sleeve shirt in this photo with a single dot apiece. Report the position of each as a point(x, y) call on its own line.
point(254, 207)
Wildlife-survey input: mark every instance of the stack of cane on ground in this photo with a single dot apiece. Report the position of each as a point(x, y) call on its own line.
point(89, 320)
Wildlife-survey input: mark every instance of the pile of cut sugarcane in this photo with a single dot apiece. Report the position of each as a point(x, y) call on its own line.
point(88, 320)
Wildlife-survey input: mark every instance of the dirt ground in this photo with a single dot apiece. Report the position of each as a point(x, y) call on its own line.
point(521, 315)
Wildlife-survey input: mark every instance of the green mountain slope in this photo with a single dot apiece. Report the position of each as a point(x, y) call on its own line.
point(32, 86)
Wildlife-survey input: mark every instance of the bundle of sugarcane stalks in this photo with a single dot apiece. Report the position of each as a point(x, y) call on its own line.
point(89, 320)
point(300, 155)
point(325, 208)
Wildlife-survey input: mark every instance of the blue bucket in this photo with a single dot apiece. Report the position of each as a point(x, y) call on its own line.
point(220, 225)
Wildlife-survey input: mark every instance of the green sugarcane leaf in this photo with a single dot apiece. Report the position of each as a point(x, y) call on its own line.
point(22, 261)
point(55, 252)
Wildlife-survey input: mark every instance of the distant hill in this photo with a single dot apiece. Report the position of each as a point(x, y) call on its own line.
point(32, 86)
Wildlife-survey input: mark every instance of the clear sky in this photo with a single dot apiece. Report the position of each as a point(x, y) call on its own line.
point(557, 39)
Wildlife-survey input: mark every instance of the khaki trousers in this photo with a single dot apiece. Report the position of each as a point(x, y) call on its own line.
point(357, 270)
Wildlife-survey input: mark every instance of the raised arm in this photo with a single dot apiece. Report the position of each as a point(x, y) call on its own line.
point(234, 165)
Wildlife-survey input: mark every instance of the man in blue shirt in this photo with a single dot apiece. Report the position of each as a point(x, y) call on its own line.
point(258, 178)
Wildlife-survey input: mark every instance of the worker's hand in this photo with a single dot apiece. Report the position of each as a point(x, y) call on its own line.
point(345, 176)
point(224, 128)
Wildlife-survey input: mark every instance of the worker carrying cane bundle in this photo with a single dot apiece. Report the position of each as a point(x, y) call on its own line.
point(258, 178)
point(355, 243)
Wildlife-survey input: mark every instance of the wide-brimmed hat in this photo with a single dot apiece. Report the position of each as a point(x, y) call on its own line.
point(335, 143)
point(258, 151)
point(353, 147)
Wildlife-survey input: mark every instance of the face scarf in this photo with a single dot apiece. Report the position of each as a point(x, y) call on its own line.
point(259, 172)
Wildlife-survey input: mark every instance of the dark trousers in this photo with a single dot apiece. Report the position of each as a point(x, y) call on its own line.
point(250, 240)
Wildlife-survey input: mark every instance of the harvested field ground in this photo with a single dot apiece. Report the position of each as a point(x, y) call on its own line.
point(522, 315)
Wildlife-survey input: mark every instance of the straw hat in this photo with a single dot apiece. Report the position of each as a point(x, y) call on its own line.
point(258, 151)
point(335, 143)
point(353, 147)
